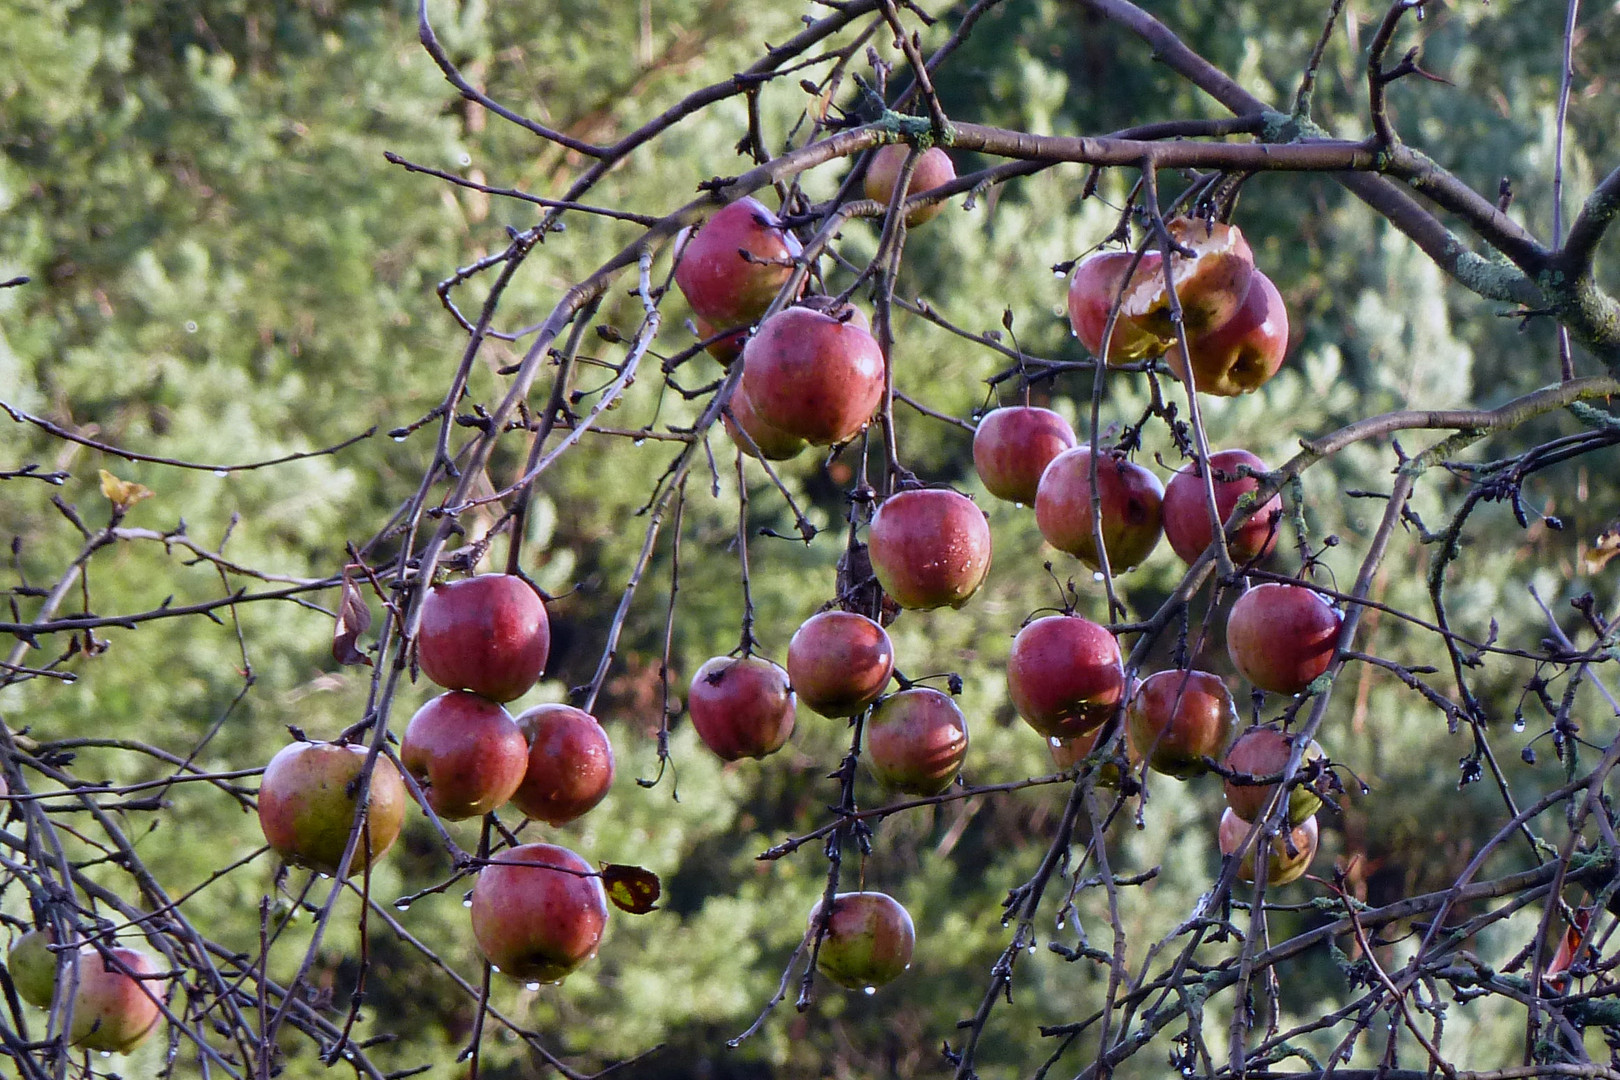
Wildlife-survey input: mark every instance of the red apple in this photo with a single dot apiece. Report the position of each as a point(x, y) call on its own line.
point(1291, 854)
point(1093, 292)
point(32, 965)
point(308, 799)
point(1242, 354)
point(1131, 498)
point(933, 169)
point(1281, 637)
point(839, 662)
point(465, 753)
point(1067, 753)
point(487, 634)
point(725, 348)
point(538, 912)
point(1178, 718)
point(833, 307)
point(113, 1007)
point(772, 444)
point(1186, 509)
point(570, 763)
point(869, 940)
point(929, 547)
point(916, 740)
point(812, 375)
point(722, 285)
point(1064, 675)
point(741, 707)
point(1264, 751)
point(1012, 447)
point(1211, 284)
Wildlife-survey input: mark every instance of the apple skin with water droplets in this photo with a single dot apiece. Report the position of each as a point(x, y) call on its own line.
point(538, 912)
point(929, 548)
point(869, 940)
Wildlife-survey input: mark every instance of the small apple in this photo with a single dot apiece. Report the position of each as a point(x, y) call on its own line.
point(1067, 753)
point(916, 740)
point(488, 634)
point(1131, 500)
point(570, 763)
point(1264, 751)
point(1211, 284)
point(1291, 854)
point(741, 706)
point(308, 798)
point(1012, 447)
point(933, 169)
point(839, 662)
point(1281, 637)
point(1186, 509)
point(1093, 292)
point(724, 286)
point(769, 443)
point(869, 940)
point(114, 1008)
point(1178, 718)
point(811, 375)
point(929, 547)
point(465, 753)
point(726, 347)
point(33, 967)
point(1242, 354)
point(538, 912)
point(1064, 675)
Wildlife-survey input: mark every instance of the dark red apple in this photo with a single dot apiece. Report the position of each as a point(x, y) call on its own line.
point(929, 548)
point(916, 740)
point(465, 753)
point(869, 940)
point(1264, 751)
point(741, 706)
point(308, 799)
point(114, 1008)
point(724, 286)
point(1064, 675)
point(1131, 500)
point(1242, 354)
point(1178, 718)
point(1291, 854)
point(538, 912)
point(812, 375)
point(1211, 284)
point(32, 965)
point(1012, 447)
point(772, 443)
point(570, 763)
point(488, 634)
point(1186, 509)
point(933, 169)
point(1092, 293)
point(1281, 637)
point(839, 662)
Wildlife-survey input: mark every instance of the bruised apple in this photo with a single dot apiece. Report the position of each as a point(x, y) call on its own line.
point(1131, 508)
point(1211, 284)
point(1186, 509)
point(1064, 675)
point(929, 548)
point(488, 634)
point(1093, 291)
point(466, 754)
point(1291, 853)
point(813, 376)
point(308, 799)
point(1281, 637)
point(1264, 751)
point(114, 1007)
point(741, 706)
point(839, 662)
point(916, 740)
point(1012, 447)
point(538, 912)
point(569, 763)
point(1242, 354)
point(869, 940)
point(725, 287)
point(1177, 718)
point(933, 169)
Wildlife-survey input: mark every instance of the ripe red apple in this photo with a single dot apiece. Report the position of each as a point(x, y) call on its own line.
point(1211, 284)
point(741, 706)
point(113, 1008)
point(839, 662)
point(929, 547)
point(869, 940)
point(1281, 637)
point(570, 763)
point(1242, 354)
point(1064, 675)
point(722, 285)
point(916, 740)
point(1012, 447)
point(1178, 718)
point(1067, 753)
point(1264, 751)
point(1291, 854)
point(308, 798)
point(487, 634)
point(1186, 509)
point(934, 168)
point(33, 967)
point(538, 912)
point(812, 375)
point(1131, 499)
point(1093, 291)
point(465, 753)
point(773, 444)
